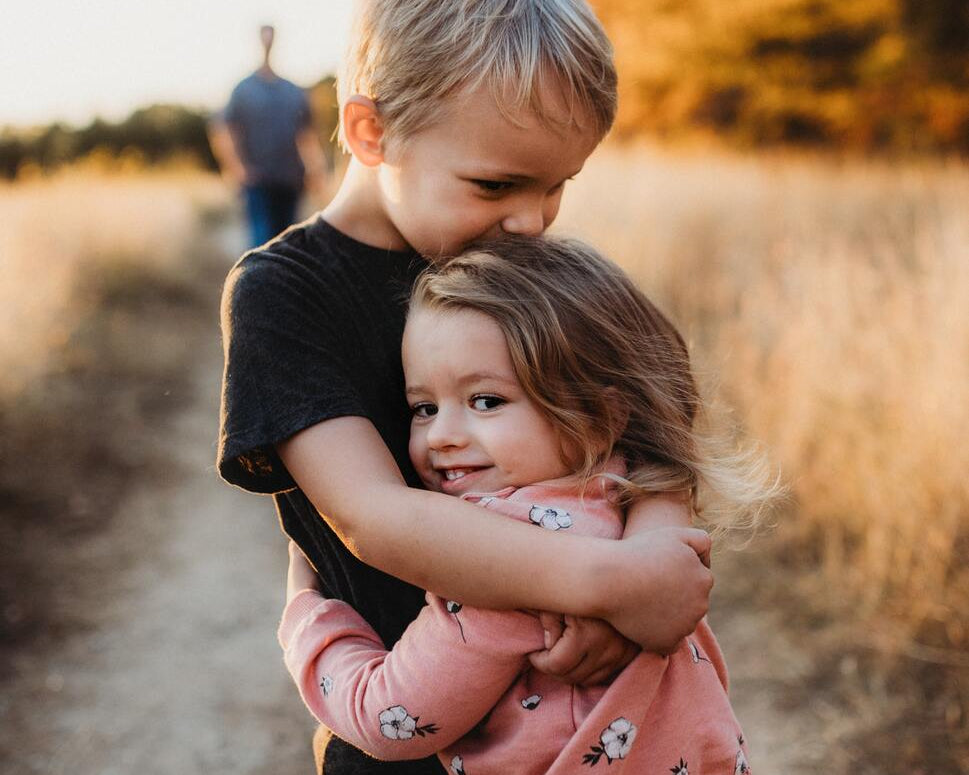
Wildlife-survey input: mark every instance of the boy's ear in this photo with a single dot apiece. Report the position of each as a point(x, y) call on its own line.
point(363, 130)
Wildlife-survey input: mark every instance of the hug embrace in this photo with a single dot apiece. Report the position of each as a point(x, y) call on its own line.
point(497, 569)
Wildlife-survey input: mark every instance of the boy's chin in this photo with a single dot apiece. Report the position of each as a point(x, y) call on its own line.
point(441, 257)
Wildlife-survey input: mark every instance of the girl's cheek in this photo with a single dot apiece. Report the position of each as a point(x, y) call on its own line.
point(415, 447)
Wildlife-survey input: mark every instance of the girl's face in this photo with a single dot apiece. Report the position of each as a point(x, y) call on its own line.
point(473, 429)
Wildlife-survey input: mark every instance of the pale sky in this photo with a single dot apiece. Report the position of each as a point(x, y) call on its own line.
point(71, 60)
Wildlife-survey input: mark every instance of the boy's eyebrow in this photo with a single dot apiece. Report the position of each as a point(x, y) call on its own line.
point(512, 176)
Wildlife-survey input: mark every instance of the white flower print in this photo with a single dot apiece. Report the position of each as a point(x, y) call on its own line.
point(680, 769)
point(618, 738)
point(614, 742)
point(695, 653)
point(550, 518)
point(531, 702)
point(397, 724)
point(741, 768)
point(326, 685)
point(454, 607)
point(457, 766)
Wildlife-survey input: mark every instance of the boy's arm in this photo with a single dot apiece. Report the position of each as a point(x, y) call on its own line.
point(441, 678)
point(462, 552)
point(590, 651)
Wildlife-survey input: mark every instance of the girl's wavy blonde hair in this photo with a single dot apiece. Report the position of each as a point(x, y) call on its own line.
point(410, 56)
point(608, 369)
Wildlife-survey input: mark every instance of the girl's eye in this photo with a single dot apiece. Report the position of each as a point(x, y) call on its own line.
point(423, 410)
point(486, 403)
point(493, 186)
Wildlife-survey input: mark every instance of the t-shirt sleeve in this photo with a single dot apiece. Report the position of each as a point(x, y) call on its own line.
point(286, 368)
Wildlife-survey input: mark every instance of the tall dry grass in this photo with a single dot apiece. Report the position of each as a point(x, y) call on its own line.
point(833, 301)
point(61, 233)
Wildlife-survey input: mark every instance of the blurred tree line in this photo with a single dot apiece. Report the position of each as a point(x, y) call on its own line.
point(150, 136)
point(882, 75)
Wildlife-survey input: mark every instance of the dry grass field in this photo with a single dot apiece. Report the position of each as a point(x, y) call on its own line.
point(829, 303)
point(83, 227)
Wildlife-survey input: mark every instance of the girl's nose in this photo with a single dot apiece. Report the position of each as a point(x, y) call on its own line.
point(446, 430)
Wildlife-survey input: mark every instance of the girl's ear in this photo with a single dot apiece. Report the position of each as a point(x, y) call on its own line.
point(363, 130)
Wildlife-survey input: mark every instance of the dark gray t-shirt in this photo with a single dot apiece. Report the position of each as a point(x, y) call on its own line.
point(312, 326)
point(265, 115)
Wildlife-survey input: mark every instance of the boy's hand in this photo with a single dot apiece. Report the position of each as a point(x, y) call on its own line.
point(300, 575)
point(659, 586)
point(581, 651)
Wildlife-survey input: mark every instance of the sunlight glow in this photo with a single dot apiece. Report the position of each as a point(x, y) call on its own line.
point(72, 60)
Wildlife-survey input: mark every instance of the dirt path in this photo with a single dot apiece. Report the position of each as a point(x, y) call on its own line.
point(173, 667)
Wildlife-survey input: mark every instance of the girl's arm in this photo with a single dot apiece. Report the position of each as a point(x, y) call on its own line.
point(442, 677)
point(463, 552)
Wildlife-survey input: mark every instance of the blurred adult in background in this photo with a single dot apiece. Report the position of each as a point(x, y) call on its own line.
point(265, 144)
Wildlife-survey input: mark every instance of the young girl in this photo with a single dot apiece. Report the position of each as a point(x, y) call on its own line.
point(546, 387)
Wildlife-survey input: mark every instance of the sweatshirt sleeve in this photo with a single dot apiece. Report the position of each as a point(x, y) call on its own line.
point(443, 676)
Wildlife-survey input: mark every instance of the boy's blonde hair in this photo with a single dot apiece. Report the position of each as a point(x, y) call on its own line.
point(409, 56)
point(607, 368)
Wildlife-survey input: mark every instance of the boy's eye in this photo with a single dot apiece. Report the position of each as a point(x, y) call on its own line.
point(486, 403)
point(423, 410)
point(493, 186)
point(561, 185)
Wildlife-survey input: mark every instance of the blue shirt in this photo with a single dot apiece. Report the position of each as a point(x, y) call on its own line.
point(265, 115)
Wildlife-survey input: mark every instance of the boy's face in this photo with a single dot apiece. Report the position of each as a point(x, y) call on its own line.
point(474, 174)
point(473, 427)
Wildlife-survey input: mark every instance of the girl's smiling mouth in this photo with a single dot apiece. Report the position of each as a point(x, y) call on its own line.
point(458, 479)
point(457, 473)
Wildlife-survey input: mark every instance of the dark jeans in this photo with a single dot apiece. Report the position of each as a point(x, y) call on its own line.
point(270, 209)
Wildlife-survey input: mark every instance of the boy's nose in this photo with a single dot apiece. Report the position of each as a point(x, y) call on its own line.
point(528, 220)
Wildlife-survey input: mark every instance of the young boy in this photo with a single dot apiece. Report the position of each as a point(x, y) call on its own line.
point(464, 120)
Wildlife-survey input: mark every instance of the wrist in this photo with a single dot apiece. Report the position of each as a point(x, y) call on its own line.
point(598, 579)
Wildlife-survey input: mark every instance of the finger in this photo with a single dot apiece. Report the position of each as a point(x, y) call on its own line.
point(564, 657)
point(558, 662)
point(580, 672)
point(599, 677)
point(552, 666)
point(553, 627)
point(700, 543)
point(706, 557)
point(607, 664)
point(596, 669)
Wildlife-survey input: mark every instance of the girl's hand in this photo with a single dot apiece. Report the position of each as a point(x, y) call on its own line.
point(300, 575)
point(581, 651)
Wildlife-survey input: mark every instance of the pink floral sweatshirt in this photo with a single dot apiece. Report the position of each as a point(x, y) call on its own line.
point(459, 684)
